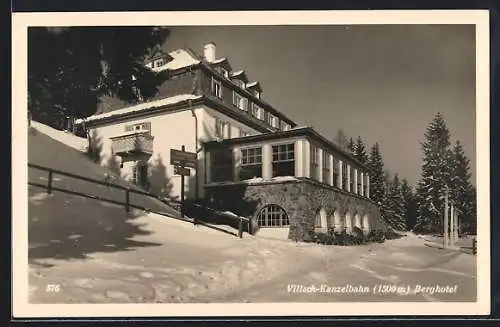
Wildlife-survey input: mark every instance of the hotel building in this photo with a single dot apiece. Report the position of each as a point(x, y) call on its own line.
point(251, 158)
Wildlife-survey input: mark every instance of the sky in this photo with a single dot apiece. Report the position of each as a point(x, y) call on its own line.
point(384, 83)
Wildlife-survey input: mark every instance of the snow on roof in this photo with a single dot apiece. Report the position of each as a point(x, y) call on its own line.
point(218, 61)
point(140, 107)
point(252, 84)
point(239, 72)
point(180, 59)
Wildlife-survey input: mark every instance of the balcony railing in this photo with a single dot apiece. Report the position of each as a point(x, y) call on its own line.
point(133, 144)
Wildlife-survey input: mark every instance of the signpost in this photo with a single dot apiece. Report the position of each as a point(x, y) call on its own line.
point(183, 158)
point(182, 161)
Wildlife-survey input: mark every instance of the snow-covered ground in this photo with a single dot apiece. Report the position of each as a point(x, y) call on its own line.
point(119, 258)
point(95, 252)
point(71, 140)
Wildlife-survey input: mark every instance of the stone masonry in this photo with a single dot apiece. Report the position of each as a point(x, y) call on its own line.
point(301, 199)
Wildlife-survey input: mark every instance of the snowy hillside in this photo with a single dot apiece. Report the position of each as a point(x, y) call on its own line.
point(78, 143)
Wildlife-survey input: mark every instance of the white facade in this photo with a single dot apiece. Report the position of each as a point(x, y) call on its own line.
point(171, 130)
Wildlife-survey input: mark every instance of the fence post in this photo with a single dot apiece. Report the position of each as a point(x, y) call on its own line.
point(240, 228)
point(49, 183)
point(474, 246)
point(127, 199)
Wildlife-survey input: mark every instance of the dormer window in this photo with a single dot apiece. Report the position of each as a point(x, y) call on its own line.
point(159, 63)
point(224, 72)
point(240, 83)
point(216, 88)
point(239, 78)
point(272, 120)
point(240, 101)
point(257, 111)
point(284, 126)
point(256, 94)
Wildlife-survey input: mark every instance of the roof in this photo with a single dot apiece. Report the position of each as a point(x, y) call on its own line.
point(254, 85)
point(157, 54)
point(218, 61)
point(240, 74)
point(139, 107)
point(307, 131)
point(180, 58)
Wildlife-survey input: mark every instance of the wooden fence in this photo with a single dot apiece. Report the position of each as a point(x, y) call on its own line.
point(126, 203)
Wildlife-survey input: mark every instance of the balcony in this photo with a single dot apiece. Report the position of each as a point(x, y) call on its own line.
point(136, 144)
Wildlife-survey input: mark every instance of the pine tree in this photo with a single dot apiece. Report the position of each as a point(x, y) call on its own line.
point(350, 146)
point(360, 151)
point(409, 204)
point(396, 205)
point(341, 140)
point(435, 177)
point(462, 191)
point(377, 184)
point(70, 69)
point(386, 203)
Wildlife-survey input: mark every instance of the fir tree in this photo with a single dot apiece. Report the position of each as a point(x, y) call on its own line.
point(360, 151)
point(341, 140)
point(71, 69)
point(462, 191)
point(409, 204)
point(377, 184)
point(396, 205)
point(350, 146)
point(435, 177)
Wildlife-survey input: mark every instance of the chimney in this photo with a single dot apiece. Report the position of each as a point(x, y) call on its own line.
point(209, 52)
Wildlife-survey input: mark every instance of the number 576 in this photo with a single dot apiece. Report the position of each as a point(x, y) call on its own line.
point(52, 288)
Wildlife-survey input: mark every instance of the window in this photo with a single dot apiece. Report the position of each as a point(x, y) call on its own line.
point(314, 162)
point(243, 133)
point(365, 184)
point(273, 216)
point(351, 181)
point(326, 168)
point(159, 62)
point(139, 128)
point(344, 176)
point(359, 182)
point(257, 111)
point(222, 165)
point(272, 120)
point(140, 174)
point(251, 163)
point(219, 128)
point(240, 101)
point(335, 171)
point(240, 83)
point(256, 94)
point(284, 126)
point(284, 160)
point(216, 88)
point(224, 72)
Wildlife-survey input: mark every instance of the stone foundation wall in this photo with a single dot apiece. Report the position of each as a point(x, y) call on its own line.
point(301, 199)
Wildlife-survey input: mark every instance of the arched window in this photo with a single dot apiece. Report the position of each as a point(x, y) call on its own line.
point(321, 223)
point(273, 216)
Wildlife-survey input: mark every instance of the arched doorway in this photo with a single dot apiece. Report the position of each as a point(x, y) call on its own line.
point(337, 221)
point(272, 215)
point(348, 222)
point(321, 223)
point(357, 221)
point(366, 224)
